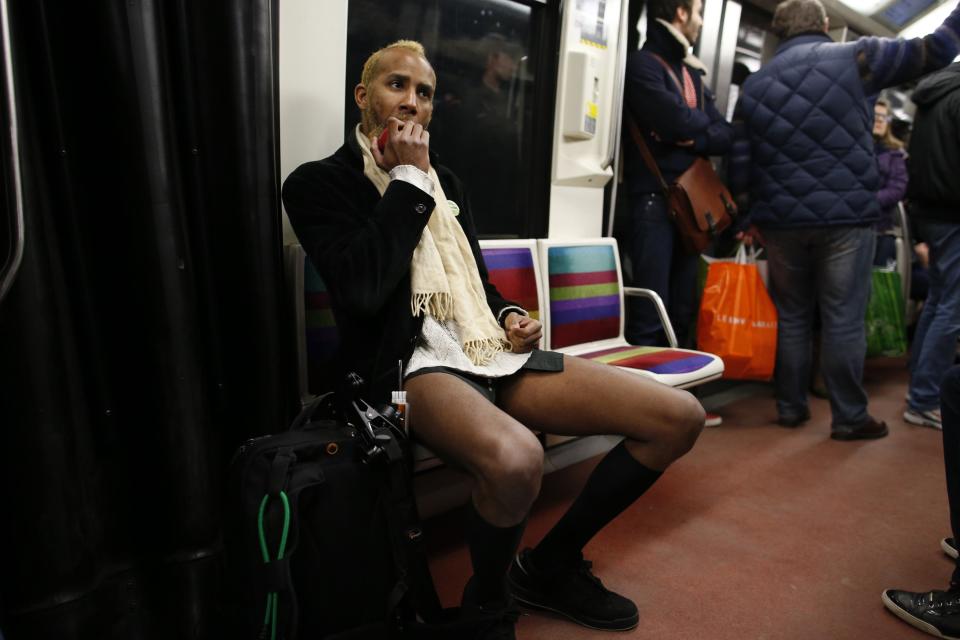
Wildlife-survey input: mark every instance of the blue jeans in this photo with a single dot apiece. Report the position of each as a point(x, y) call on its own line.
point(829, 267)
point(660, 263)
point(935, 340)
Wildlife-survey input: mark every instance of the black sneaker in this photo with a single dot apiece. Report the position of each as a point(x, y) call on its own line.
point(936, 612)
point(489, 620)
point(949, 546)
point(572, 591)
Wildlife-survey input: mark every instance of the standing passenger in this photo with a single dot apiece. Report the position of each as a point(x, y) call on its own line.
point(804, 152)
point(391, 233)
point(678, 127)
point(935, 205)
point(892, 166)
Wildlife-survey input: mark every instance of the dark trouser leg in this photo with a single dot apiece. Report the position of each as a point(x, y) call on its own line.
point(793, 290)
point(612, 487)
point(843, 257)
point(652, 256)
point(683, 295)
point(950, 410)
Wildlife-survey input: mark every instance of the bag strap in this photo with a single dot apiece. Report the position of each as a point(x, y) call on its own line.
point(670, 71)
point(676, 80)
point(406, 542)
point(645, 151)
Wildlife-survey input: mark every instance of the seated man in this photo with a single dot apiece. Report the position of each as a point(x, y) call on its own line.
point(392, 235)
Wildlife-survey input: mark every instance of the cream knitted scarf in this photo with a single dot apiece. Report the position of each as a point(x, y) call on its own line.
point(444, 278)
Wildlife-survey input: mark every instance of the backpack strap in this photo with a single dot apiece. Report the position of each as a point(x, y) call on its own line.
point(406, 541)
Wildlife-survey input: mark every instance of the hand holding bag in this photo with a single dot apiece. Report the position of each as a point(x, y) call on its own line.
point(737, 319)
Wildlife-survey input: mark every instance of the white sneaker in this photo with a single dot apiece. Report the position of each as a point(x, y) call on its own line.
point(929, 418)
point(713, 420)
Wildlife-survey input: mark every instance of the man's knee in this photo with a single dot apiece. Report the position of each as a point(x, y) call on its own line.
point(686, 417)
point(514, 472)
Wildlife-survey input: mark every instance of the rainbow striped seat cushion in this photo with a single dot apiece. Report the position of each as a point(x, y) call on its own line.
point(659, 360)
point(584, 294)
point(511, 271)
point(321, 328)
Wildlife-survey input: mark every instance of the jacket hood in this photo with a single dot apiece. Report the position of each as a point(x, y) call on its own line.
point(936, 86)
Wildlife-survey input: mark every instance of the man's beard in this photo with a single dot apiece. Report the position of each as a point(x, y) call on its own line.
point(373, 127)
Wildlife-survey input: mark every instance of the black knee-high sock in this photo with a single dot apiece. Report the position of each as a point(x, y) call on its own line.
point(612, 487)
point(491, 552)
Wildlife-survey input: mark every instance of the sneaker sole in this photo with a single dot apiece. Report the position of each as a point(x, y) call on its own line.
point(947, 549)
point(912, 620)
point(920, 421)
point(616, 625)
point(849, 436)
point(713, 422)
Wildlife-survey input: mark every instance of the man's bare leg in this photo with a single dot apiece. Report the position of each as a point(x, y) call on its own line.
point(659, 423)
point(506, 462)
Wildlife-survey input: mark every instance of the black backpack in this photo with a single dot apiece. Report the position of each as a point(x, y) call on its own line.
point(323, 537)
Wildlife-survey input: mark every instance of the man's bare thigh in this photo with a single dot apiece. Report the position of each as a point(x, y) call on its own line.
point(591, 398)
point(458, 423)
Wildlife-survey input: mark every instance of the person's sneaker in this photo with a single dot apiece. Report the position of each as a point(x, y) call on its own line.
point(572, 591)
point(712, 420)
point(949, 546)
point(793, 421)
point(935, 612)
point(489, 620)
point(867, 430)
point(924, 418)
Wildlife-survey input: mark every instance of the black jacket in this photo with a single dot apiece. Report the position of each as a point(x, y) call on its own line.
point(657, 105)
point(934, 159)
point(361, 244)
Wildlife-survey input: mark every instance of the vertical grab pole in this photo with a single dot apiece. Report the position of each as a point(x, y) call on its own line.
point(12, 265)
point(613, 142)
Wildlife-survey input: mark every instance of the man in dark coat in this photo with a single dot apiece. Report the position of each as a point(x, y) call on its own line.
point(679, 125)
point(935, 207)
point(383, 227)
point(804, 154)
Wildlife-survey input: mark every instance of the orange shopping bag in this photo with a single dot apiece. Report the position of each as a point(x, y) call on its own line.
point(737, 320)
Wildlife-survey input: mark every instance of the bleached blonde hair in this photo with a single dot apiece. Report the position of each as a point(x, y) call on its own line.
point(370, 66)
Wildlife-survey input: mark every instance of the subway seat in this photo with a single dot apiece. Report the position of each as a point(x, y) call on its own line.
point(585, 315)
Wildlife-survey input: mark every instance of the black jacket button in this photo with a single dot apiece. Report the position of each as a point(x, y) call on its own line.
point(420, 208)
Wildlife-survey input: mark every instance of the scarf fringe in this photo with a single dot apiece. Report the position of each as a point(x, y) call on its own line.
point(483, 350)
point(438, 304)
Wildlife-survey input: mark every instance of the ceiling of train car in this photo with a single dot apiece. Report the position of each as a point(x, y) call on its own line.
point(880, 17)
point(893, 15)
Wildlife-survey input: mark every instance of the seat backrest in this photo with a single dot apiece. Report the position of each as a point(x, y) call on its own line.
point(513, 269)
point(315, 329)
point(320, 329)
point(583, 290)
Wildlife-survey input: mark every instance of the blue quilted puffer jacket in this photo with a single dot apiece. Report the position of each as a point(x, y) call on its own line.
point(808, 125)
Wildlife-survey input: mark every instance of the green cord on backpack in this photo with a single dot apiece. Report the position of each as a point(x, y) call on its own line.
point(270, 614)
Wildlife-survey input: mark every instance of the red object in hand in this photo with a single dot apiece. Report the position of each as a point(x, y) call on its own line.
point(382, 140)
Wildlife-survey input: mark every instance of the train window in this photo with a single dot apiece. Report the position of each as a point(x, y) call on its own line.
point(485, 124)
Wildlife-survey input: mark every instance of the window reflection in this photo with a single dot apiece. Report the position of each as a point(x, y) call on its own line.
point(482, 123)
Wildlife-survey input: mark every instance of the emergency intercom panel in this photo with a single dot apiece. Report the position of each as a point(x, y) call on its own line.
point(581, 96)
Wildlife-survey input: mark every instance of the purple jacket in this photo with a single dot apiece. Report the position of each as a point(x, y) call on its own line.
point(892, 166)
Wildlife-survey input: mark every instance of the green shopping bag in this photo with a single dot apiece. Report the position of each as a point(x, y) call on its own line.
point(886, 325)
